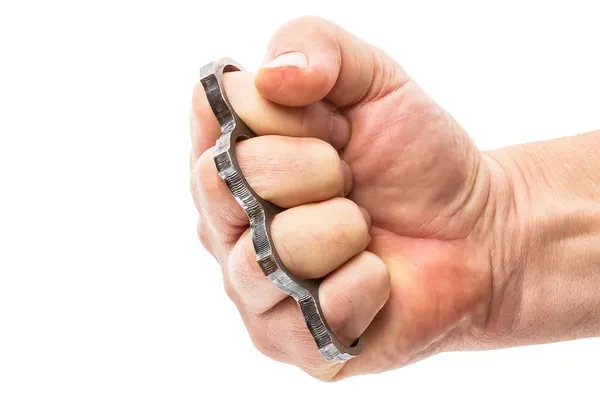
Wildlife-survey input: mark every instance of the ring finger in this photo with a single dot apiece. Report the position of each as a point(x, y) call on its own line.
point(312, 241)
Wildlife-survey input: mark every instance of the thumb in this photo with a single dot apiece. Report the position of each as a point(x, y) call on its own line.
point(310, 59)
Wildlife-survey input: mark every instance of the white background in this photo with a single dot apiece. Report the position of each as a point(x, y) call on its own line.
point(105, 292)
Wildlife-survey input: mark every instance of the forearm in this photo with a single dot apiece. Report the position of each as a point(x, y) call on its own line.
point(546, 248)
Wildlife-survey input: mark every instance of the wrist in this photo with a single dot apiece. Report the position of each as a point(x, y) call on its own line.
point(509, 243)
point(545, 244)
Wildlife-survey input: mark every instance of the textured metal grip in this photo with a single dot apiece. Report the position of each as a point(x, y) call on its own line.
point(260, 213)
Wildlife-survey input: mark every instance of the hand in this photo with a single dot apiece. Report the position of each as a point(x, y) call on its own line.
point(387, 198)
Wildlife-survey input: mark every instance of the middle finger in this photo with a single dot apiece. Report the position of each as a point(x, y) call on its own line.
point(286, 171)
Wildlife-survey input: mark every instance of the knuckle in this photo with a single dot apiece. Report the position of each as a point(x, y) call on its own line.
point(203, 234)
point(206, 183)
point(249, 260)
point(314, 121)
point(230, 271)
point(229, 290)
point(336, 177)
point(352, 218)
point(379, 270)
point(347, 209)
point(241, 271)
point(258, 329)
point(214, 200)
point(265, 346)
point(326, 157)
point(195, 192)
point(329, 154)
point(230, 221)
point(340, 311)
point(349, 219)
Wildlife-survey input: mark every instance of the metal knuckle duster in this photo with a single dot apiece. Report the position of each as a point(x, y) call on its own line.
point(260, 213)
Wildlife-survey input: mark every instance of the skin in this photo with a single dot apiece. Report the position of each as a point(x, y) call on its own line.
point(426, 243)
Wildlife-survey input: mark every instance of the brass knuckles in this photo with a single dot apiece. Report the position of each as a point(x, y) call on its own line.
point(260, 213)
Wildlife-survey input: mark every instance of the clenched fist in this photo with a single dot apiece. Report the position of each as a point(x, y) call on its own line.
point(414, 230)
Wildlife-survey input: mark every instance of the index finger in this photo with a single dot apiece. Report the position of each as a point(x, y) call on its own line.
point(264, 117)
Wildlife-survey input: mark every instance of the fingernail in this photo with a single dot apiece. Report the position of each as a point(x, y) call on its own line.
point(339, 131)
point(347, 175)
point(292, 59)
point(366, 215)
